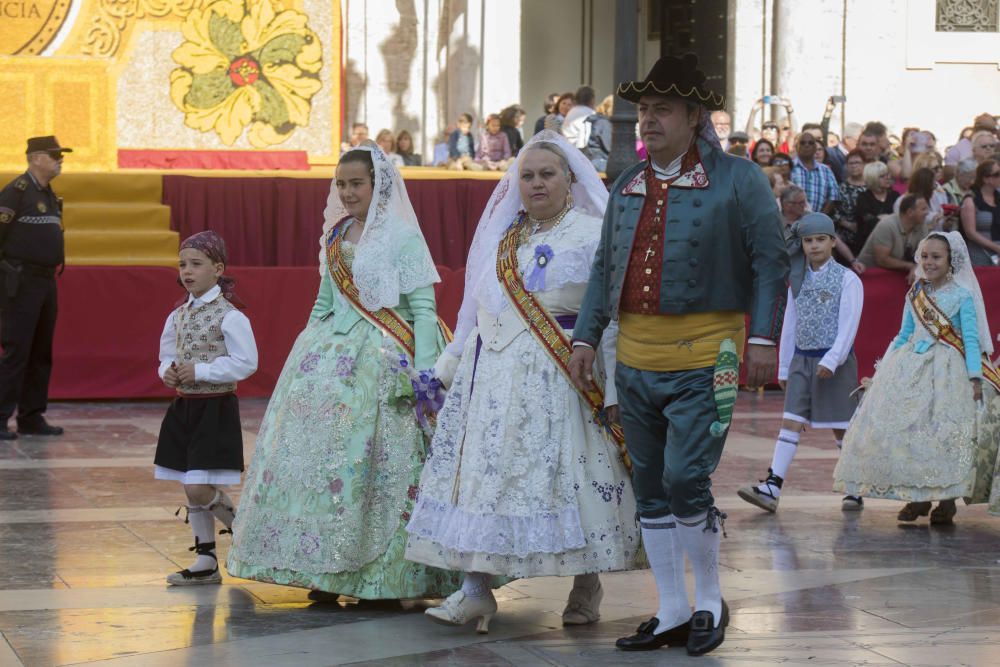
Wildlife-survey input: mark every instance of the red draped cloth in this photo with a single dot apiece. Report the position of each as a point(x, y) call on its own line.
point(110, 319)
point(277, 221)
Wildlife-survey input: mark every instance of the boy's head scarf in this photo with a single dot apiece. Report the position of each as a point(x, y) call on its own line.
point(214, 247)
point(810, 224)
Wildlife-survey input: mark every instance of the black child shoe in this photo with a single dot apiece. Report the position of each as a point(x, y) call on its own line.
point(6, 434)
point(645, 640)
point(704, 635)
point(38, 427)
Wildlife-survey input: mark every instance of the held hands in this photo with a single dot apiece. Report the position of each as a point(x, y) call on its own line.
point(170, 376)
point(977, 390)
point(581, 367)
point(185, 374)
point(762, 364)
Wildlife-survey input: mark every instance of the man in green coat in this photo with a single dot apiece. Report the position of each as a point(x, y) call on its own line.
point(692, 243)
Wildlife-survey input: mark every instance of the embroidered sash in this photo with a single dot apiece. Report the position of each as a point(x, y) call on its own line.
point(386, 320)
point(938, 325)
point(547, 331)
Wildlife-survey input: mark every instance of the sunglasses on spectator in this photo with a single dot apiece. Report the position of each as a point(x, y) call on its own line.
point(55, 155)
point(779, 162)
point(737, 140)
point(993, 174)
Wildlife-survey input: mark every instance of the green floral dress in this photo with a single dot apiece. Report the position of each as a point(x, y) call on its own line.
point(338, 459)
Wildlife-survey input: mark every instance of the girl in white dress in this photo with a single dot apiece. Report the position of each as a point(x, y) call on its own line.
point(523, 478)
point(927, 429)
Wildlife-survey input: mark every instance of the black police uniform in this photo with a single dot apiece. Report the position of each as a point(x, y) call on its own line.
point(31, 250)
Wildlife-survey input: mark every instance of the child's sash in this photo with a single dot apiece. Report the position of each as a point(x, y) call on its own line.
point(938, 325)
point(547, 331)
point(386, 320)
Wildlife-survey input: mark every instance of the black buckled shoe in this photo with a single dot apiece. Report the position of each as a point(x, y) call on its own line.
point(645, 640)
point(6, 434)
point(704, 635)
point(38, 427)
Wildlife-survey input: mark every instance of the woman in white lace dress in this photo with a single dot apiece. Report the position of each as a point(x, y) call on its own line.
point(522, 479)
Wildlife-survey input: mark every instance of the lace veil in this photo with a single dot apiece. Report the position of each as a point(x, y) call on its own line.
point(392, 257)
point(965, 277)
point(482, 289)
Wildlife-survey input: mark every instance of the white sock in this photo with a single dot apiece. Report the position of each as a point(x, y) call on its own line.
point(784, 451)
point(476, 584)
point(223, 508)
point(702, 548)
point(203, 527)
point(666, 559)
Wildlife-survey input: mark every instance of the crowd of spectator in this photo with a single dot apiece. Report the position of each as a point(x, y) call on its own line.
point(884, 192)
point(500, 136)
point(874, 184)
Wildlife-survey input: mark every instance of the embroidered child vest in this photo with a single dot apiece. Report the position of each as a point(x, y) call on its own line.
point(817, 308)
point(200, 341)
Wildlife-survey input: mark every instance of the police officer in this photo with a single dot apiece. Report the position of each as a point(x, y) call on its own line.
point(31, 249)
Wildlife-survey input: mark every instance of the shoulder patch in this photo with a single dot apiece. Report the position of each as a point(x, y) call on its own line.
point(21, 184)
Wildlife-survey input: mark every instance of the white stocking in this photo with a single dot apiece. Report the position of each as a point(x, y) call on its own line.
point(700, 537)
point(476, 584)
point(659, 536)
point(203, 527)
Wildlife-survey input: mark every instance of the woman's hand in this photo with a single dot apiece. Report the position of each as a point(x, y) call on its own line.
point(977, 390)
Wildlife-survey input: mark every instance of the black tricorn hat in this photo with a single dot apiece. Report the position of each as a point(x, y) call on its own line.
point(45, 144)
point(674, 77)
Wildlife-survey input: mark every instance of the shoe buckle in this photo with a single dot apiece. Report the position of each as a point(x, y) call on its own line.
point(648, 627)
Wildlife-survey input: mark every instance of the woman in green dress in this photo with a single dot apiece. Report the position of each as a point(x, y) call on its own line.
point(340, 450)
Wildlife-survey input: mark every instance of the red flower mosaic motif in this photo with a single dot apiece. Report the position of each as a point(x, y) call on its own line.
point(244, 71)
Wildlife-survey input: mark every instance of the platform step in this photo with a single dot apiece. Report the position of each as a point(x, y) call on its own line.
point(86, 216)
point(117, 187)
point(121, 260)
point(121, 247)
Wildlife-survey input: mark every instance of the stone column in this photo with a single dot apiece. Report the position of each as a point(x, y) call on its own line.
point(623, 119)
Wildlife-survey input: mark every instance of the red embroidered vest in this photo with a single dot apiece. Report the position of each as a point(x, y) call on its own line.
point(641, 290)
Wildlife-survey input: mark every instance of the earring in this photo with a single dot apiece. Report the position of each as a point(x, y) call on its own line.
point(569, 200)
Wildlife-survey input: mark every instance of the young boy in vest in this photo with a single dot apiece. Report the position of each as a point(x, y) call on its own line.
point(816, 363)
point(206, 347)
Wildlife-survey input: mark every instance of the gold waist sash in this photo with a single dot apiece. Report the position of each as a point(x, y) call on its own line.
point(677, 342)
